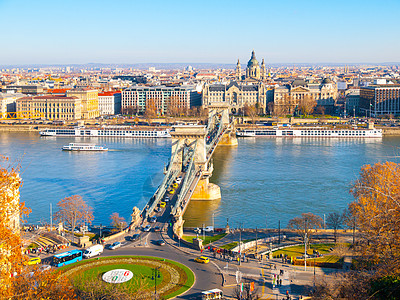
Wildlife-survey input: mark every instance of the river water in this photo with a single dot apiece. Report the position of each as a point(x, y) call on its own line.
point(263, 181)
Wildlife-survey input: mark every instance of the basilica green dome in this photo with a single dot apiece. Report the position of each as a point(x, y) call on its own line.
point(253, 61)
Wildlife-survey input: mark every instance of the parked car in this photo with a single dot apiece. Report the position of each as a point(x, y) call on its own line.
point(135, 237)
point(114, 245)
point(202, 260)
point(157, 229)
point(163, 204)
point(153, 219)
point(160, 242)
point(147, 228)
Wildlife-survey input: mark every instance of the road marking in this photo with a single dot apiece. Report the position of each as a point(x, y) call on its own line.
point(263, 284)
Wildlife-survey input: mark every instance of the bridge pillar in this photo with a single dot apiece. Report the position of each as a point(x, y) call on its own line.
point(223, 110)
point(186, 137)
point(229, 138)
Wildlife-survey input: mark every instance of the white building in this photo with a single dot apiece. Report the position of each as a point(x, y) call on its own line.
point(8, 102)
point(110, 103)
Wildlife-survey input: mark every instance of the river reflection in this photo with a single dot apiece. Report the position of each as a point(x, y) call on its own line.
point(262, 180)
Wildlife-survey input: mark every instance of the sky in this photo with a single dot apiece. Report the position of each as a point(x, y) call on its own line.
point(189, 31)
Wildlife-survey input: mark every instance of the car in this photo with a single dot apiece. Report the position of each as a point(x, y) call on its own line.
point(33, 261)
point(114, 245)
point(160, 242)
point(135, 237)
point(175, 185)
point(172, 191)
point(166, 199)
point(153, 219)
point(157, 229)
point(163, 204)
point(209, 229)
point(157, 209)
point(147, 228)
point(202, 260)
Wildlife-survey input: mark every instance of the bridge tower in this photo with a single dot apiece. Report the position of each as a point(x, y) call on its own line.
point(193, 138)
point(189, 138)
point(229, 138)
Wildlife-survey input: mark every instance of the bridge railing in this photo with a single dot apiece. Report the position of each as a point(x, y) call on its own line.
point(168, 179)
point(187, 182)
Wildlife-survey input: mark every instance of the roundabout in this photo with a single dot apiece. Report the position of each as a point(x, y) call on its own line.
point(144, 275)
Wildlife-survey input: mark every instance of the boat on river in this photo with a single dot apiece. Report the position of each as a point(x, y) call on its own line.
point(83, 147)
point(311, 132)
point(127, 132)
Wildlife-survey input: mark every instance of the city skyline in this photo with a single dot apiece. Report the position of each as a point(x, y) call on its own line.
point(132, 32)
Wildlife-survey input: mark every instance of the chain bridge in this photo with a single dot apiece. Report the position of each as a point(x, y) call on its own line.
point(190, 167)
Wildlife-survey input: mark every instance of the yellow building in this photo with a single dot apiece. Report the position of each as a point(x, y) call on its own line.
point(90, 101)
point(52, 107)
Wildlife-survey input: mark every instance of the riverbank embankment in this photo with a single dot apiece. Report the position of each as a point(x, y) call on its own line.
point(387, 131)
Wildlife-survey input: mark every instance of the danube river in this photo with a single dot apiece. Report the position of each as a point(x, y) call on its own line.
point(262, 180)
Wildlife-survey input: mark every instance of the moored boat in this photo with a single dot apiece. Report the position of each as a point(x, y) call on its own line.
point(311, 132)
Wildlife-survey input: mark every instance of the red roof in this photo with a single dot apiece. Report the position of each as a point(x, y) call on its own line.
point(108, 93)
point(57, 91)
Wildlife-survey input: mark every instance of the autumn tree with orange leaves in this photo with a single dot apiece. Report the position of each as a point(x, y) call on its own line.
point(117, 221)
point(11, 258)
point(18, 281)
point(74, 211)
point(377, 211)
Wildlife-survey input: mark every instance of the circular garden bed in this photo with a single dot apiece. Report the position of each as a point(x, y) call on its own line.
point(150, 274)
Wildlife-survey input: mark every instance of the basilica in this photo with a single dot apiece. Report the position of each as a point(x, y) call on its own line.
point(245, 89)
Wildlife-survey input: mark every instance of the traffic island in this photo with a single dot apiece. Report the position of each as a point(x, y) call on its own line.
point(131, 275)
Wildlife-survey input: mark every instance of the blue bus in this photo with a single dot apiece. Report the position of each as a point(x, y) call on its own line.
point(66, 258)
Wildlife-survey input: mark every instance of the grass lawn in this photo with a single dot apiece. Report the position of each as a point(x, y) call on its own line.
point(141, 275)
point(142, 269)
point(207, 239)
point(299, 250)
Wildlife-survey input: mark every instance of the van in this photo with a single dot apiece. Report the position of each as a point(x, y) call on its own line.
point(93, 251)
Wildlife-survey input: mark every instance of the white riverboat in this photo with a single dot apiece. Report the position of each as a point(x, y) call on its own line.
point(106, 132)
point(83, 147)
point(311, 132)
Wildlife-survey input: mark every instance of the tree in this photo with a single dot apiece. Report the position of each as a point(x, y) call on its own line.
point(117, 221)
point(151, 110)
point(305, 225)
point(334, 221)
point(47, 284)
point(248, 293)
point(74, 211)
point(250, 111)
point(306, 104)
point(377, 211)
point(349, 219)
point(11, 209)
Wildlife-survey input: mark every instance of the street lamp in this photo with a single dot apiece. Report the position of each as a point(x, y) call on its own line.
point(213, 220)
point(155, 273)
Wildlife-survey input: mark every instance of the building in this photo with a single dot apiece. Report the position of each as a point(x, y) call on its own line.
point(353, 102)
point(324, 93)
point(378, 100)
point(162, 98)
point(90, 101)
point(8, 102)
point(254, 72)
point(25, 89)
point(236, 95)
point(52, 107)
point(109, 103)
